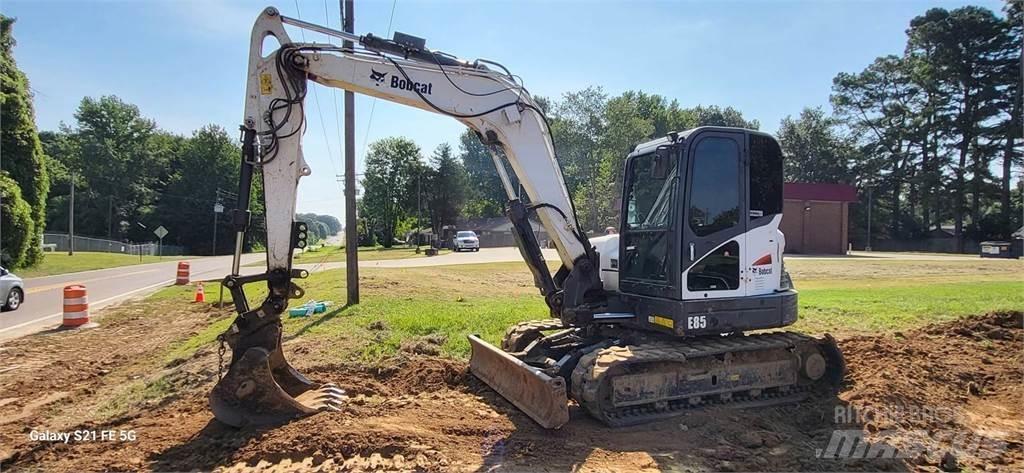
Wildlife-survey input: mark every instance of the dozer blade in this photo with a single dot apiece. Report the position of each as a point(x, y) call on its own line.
point(262, 388)
point(540, 396)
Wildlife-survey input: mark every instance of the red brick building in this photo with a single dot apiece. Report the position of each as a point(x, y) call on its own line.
point(815, 217)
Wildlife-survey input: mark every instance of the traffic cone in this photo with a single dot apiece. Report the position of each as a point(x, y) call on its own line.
point(200, 295)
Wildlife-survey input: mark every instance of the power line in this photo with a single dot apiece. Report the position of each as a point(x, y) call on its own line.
point(316, 98)
point(334, 91)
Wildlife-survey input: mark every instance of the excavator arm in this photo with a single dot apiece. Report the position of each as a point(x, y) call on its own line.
point(261, 386)
point(491, 103)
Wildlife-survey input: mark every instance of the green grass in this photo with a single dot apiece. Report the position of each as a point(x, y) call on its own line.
point(61, 263)
point(898, 307)
point(449, 302)
point(135, 394)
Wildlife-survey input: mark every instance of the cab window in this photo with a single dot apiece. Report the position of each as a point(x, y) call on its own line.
point(765, 176)
point(715, 192)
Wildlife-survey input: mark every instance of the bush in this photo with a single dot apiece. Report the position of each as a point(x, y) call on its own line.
point(16, 224)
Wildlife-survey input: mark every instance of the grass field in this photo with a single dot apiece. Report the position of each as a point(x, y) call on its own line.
point(441, 305)
point(61, 263)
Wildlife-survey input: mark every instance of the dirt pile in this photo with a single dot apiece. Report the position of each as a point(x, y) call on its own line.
point(948, 390)
point(55, 379)
point(922, 400)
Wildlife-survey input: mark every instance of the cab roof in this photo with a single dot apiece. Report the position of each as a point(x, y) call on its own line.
point(681, 136)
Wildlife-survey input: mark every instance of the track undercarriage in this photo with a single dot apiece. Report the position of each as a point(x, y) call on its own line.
point(623, 377)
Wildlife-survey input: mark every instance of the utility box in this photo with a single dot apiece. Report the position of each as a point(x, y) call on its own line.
point(996, 249)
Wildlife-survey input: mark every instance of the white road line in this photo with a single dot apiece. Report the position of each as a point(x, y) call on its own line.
point(60, 314)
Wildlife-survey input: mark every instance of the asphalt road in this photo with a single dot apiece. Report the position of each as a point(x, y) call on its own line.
point(507, 254)
point(43, 305)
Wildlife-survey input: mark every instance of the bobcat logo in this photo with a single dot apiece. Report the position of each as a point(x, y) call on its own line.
point(378, 76)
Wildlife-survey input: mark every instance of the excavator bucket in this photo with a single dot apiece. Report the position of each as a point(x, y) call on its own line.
point(261, 388)
point(540, 396)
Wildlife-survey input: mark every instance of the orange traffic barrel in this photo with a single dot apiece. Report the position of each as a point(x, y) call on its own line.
point(76, 306)
point(182, 274)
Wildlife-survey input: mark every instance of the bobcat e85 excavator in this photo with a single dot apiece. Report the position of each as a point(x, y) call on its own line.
point(646, 323)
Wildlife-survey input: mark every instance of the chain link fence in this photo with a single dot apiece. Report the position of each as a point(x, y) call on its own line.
point(62, 242)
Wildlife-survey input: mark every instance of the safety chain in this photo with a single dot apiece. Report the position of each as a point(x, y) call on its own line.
point(220, 356)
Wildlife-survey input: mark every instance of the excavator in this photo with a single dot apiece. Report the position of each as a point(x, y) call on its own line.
point(671, 313)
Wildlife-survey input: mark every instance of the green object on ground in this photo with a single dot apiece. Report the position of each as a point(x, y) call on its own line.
point(309, 308)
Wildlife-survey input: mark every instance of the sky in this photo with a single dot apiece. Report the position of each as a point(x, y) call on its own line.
point(183, 62)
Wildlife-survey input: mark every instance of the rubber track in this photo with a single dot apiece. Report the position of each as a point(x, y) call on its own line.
point(589, 373)
point(517, 331)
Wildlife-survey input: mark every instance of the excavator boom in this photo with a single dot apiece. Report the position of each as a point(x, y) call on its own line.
point(260, 385)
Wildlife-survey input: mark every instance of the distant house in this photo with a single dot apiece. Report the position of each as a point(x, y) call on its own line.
point(815, 217)
point(497, 231)
point(944, 231)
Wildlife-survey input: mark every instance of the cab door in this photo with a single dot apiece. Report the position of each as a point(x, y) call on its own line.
point(715, 211)
point(648, 248)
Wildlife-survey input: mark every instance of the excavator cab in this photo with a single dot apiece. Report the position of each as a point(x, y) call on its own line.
point(700, 250)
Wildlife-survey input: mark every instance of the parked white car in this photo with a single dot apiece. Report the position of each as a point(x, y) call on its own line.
point(12, 290)
point(466, 240)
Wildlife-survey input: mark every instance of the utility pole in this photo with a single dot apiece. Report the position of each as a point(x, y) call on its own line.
point(593, 196)
point(870, 201)
point(419, 208)
point(71, 218)
point(110, 217)
point(217, 209)
point(351, 236)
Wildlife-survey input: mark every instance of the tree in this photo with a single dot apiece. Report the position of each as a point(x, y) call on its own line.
point(320, 227)
point(23, 158)
point(716, 116)
point(931, 123)
point(390, 167)
point(876, 103)
point(332, 223)
point(486, 196)
point(966, 42)
point(206, 173)
point(1010, 65)
point(446, 188)
point(814, 149)
point(123, 162)
point(627, 120)
point(16, 223)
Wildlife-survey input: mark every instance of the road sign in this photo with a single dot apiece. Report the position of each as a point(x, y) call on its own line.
point(218, 208)
point(161, 232)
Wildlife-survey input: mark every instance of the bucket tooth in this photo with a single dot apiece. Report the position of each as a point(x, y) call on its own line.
point(540, 396)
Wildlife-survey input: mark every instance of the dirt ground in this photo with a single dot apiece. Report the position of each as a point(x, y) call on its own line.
point(940, 397)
